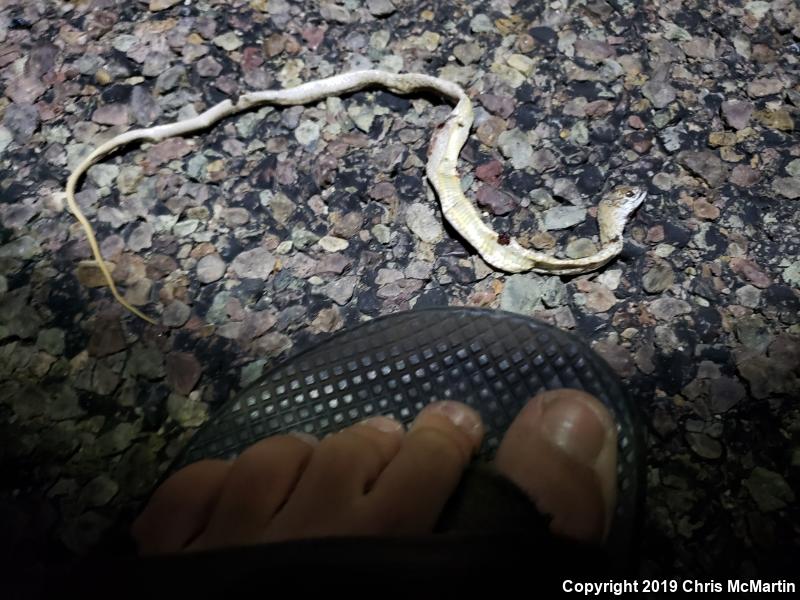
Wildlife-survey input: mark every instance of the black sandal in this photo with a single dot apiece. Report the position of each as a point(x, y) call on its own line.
point(394, 365)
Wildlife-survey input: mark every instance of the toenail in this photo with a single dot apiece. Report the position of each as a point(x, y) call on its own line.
point(305, 437)
point(463, 417)
point(573, 425)
point(384, 424)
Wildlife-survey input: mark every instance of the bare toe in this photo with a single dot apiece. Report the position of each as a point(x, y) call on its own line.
point(562, 451)
point(180, 508)
point(329, 499)
point(409, 496)
point(257, 485)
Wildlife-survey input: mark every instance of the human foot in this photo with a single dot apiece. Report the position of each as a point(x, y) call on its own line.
point(375, 479)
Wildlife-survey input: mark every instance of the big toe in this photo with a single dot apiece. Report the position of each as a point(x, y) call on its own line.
point(562, 451)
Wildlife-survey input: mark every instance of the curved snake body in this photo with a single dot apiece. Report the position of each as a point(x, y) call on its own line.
point(499, 251)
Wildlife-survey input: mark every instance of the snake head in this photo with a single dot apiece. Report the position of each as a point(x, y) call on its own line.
point(624, 200)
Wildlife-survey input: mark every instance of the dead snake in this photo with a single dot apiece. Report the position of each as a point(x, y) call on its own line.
point(500, 251)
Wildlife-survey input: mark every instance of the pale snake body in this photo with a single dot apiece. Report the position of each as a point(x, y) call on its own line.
point(499, 251)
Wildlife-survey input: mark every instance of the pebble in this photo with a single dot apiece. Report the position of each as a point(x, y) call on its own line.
point(107, 338)
point(303, 238)
point(778, 119)
point(380, 8)
point(103, 175)
point(489, 132)
point(210, 268)
point(788, 187)
point(185, 227)
point(737, 113)
point(382, 233)
point(51, 341)
point(752, 332)
point(187, 411)
point(515, 146)
point(600, 298)
point(24, 248)
point(17, 216)
point(791, 274)
point(793, 168)
point(419, 269)
point(156, 5)
point(307, 132)
point(580, 248)
point(704, 445)
point(146, 361)
point(421, 219)
point(144, 108)
point(659, 92)
point(6, 137)
point(363, 116)
point(721, 138)
point(744, 176)
point(118, 439)
point(554, 292)
point(156, 63)
point(705, 164)
point(499, 202)
point(183, 371)
point(341, 289)
point(385, 276)
point(347, 225)
point(176, 314)
point(98, 492)
point(328, 320)
point(257, 263)
point(208, 66)
point(138, 293)
point(562, 217)
point(22, 120)
point(129, 178)
point(672, 137)
point(279, 205)
point(521, 63)
point(725, 393)
point(769, 490)
point(272, 344)
point(490, 172)
point(335, 12)
point(168, 150)
point(468, 53)
point(758, 88)
point(228, 41)
point(543, 160)
point(750, 271)
point(522, 293)
point(610, 278)
point(705, 210)
point(618, 358)
point(112, 114)
point(666, 309)
point(141, 237)
point(749, 296)
point(330, 243)
point(658, 278)
point(169, 79)
point(566, 189)
point(481, 23)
